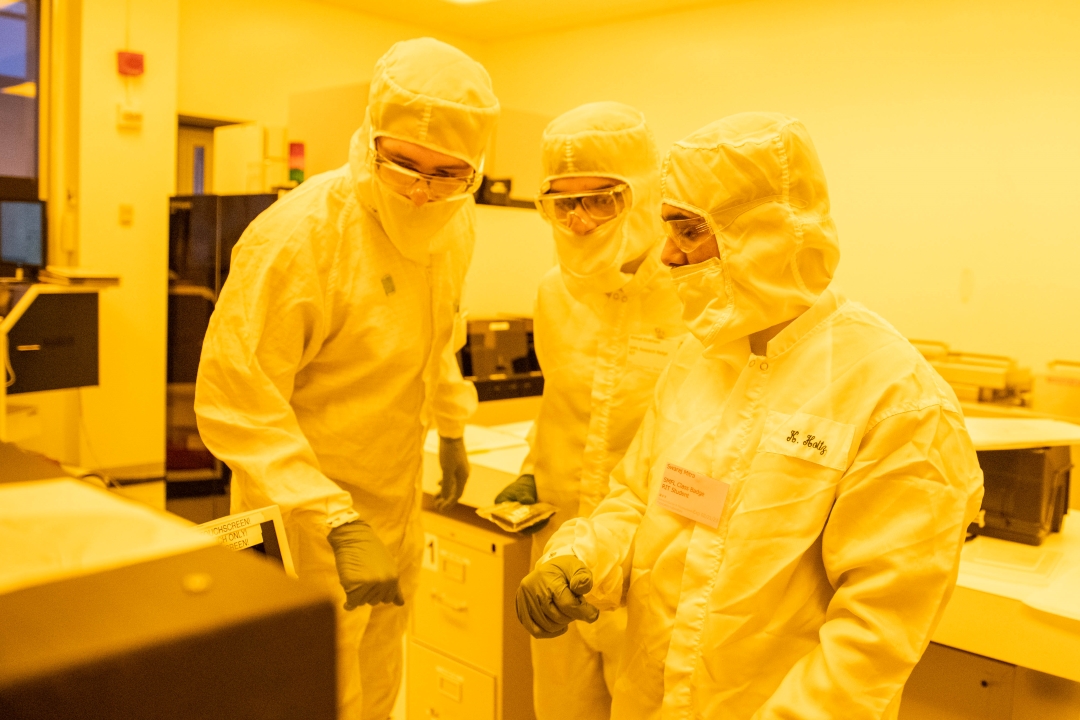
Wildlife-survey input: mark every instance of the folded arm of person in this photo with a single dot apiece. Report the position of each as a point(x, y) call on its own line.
point(891, 549)
point(268, 324)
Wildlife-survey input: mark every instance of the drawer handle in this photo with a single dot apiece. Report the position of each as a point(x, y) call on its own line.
point(455, 605)
point(449, 684)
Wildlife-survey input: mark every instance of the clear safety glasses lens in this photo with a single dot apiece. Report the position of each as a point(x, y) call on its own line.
point(597, 207)
point(439, 187)
point(689, 233)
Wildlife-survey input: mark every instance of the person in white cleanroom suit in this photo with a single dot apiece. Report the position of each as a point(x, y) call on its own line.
point(607, 320)
point(332, 347)
point(786, 526)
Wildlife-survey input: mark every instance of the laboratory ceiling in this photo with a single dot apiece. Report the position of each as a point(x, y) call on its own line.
point(499, 19)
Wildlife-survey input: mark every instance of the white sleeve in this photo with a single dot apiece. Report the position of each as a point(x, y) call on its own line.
point(268, 323)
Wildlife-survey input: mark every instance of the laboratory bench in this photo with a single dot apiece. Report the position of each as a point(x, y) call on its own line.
point(1007, 646)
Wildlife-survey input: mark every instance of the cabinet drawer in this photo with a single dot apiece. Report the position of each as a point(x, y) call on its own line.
point(439, 688)
point(459, 604)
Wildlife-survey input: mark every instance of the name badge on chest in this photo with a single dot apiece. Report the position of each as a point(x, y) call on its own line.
point(692, 495)
point(808, 437)
point(651, 352)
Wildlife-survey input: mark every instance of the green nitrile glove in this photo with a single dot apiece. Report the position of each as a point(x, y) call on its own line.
point(522, 490)
point(550, 597)
point(454, 462)
point(367, 571)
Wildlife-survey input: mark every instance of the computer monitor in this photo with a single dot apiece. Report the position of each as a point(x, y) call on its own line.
point(22, 233)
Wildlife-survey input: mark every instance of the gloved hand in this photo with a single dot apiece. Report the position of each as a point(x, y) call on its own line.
point(455, 471)
point(550, 597)
point(365, 567)
point(522, 490)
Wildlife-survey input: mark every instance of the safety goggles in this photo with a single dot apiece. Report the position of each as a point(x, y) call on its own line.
point(689, 234)
point(402, 180)
point(597, 206)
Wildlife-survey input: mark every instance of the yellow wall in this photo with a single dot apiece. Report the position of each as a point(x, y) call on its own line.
point(947, 129)
point(125, 417)
point(325, 121)
point(241, 59)
point(514, 250)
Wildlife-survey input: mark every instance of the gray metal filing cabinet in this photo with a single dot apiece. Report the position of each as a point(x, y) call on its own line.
point(468, 657)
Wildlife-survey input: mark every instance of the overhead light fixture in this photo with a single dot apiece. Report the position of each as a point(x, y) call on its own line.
point(468, 2)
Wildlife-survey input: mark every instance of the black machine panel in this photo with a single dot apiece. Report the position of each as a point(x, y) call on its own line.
point(203, 229)
point(54, 345)
point(193, 240)
point(1026, 493)
point(236, 213)
point(209, 634)
point(189, 316)
point(500, 359)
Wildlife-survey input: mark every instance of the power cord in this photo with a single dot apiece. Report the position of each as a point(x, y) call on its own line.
point(8, 369)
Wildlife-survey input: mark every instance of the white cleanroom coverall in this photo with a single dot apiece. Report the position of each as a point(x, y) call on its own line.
point(331, 349)
point(602, 337)
point(852, 476)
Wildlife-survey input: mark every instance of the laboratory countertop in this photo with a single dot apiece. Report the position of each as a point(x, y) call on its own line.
point(1019, 604)
point(495, 454)
point(1018, 433)
point(1014, 603)
point(61, 528)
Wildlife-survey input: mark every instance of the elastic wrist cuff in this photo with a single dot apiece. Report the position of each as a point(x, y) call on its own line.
point(340, 518)
point(558, 552)
point(453, 429)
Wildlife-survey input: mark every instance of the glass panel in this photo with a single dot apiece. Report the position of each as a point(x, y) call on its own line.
point(18, 88)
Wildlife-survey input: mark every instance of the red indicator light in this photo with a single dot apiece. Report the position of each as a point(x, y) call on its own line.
point(129, 63)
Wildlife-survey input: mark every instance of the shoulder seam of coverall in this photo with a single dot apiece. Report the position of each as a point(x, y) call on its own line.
point(911, 406)
point(853, 310)
point(818, 327)
point(284, 239)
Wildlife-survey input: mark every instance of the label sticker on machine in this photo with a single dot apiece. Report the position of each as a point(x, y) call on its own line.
point(651, 352)
point(693, 495)
point(236, 533)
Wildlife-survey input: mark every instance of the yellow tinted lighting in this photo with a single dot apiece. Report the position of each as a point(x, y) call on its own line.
point(26, 89)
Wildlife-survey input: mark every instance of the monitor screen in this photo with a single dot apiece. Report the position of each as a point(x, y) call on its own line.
point(22, 233)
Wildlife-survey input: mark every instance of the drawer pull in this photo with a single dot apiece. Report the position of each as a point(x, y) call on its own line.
point(454, 566)
point(455, 605)
point(449, 684)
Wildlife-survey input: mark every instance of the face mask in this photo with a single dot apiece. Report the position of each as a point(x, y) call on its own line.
point(590, 263)
point(707, 303)
point(414, 230)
